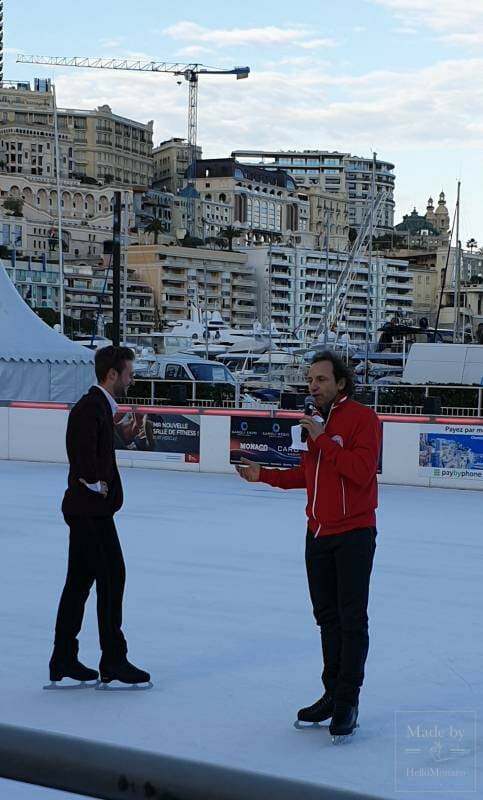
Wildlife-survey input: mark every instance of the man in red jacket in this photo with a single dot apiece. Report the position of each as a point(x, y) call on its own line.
point(339, 473)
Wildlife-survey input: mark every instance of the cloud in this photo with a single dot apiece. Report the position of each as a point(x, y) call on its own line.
point(425, 109)
point(297, 35)
point(405, 30)
point(114, 42)
point(449, 19)
point(426, 120)
point(316, 43)
point(193, 51)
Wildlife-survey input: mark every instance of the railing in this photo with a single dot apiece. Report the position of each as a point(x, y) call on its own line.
point(111, 772)
point(183, 392)
point(407, 399)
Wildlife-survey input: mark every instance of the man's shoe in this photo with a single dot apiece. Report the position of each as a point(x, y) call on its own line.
point(71, 668)
point(122, 671)
point(320, 710)
point(344, 720)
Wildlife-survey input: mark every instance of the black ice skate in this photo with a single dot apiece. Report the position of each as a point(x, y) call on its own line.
point(344, 722)
point(319, 711)
point(124, 672)
point(73, 669)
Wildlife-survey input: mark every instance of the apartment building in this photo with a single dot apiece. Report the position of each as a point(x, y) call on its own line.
point(87, 293)
point(217, 280)
point(337, 173)
point(170, 164)
point(294, 286)
point(86, 216)
point(94, 145)
point(262, 204)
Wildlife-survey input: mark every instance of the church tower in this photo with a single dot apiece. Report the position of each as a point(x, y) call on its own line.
point(430, 212)
point(441, 215)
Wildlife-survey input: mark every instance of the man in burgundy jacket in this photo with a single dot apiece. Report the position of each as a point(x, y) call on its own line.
point(339, 473)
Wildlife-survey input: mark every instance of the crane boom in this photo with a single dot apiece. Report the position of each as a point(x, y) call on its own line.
point(190, 72)
point(174, 67)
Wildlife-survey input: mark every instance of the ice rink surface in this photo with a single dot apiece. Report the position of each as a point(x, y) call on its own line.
point(217, 608)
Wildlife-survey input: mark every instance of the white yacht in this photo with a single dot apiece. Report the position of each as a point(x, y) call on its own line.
point(209, 336)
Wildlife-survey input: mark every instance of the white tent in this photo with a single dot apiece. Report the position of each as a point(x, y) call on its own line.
point(36, 362)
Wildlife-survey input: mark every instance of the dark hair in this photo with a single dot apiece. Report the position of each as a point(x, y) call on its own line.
point(111, 358)
point(341, 370)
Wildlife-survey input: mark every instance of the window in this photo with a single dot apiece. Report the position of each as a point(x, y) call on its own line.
point(176, 372)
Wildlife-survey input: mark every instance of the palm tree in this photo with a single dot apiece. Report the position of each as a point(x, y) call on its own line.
point(155, 227)
point(229, 233)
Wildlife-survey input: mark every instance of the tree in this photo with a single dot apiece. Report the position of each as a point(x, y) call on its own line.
point(48, 315)
point(229, 233)
point(155, 227)
point(192, 241)
point(14, 205)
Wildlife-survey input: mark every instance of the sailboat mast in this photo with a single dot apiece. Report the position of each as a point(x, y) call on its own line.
point(370, 304)
point(59, 212)
point(457, 283)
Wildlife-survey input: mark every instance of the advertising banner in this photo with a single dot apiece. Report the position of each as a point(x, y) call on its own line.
point(451, 451)
point(263, 439)
point(176, 437)
point(266, 441)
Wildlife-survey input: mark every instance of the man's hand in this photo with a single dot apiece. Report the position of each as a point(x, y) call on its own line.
point(103, 490)
point(313, 428)
point(249, 470)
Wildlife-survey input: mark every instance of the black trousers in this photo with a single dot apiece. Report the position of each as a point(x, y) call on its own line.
point(338, 571)
point(95, 555)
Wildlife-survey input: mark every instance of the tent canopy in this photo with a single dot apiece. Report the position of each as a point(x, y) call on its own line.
point(25, 337)
point(36, 362)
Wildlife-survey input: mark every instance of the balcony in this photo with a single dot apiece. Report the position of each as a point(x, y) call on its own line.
point(174, 304)
point(243, 282)
point(180, 277)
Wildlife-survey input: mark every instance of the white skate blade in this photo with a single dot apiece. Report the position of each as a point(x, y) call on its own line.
point(344, 737)
point(122, 687)
point(300, 725)
point(57, 686)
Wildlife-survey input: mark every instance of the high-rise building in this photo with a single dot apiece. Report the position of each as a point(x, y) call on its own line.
point(295, 285)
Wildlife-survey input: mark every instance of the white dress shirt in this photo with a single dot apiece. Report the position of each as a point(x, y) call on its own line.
point(96, 487)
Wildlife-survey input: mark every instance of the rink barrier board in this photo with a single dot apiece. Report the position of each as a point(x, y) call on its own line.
point(32, 432)
point(112, 772)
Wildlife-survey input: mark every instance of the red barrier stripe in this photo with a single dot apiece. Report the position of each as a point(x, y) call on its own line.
point(26, 404)
point(403, 418)
point(462, 420)
point(165, 410)
point(234, 412)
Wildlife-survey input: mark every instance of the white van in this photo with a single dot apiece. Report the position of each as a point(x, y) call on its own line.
point(444, 363)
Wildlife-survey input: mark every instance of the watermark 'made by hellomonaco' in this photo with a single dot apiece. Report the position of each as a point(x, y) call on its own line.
point(434, 751)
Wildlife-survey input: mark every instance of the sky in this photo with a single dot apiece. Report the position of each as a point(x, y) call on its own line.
point(402, 78)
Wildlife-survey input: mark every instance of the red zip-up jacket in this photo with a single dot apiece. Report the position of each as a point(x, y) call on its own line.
point(338, 470)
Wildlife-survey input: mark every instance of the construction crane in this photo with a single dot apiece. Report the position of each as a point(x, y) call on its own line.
point(190, 72)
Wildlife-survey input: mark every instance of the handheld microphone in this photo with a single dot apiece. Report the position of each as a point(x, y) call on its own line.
point(310, 409)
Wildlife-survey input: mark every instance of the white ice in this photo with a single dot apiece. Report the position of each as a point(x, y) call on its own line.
point(217, 608)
